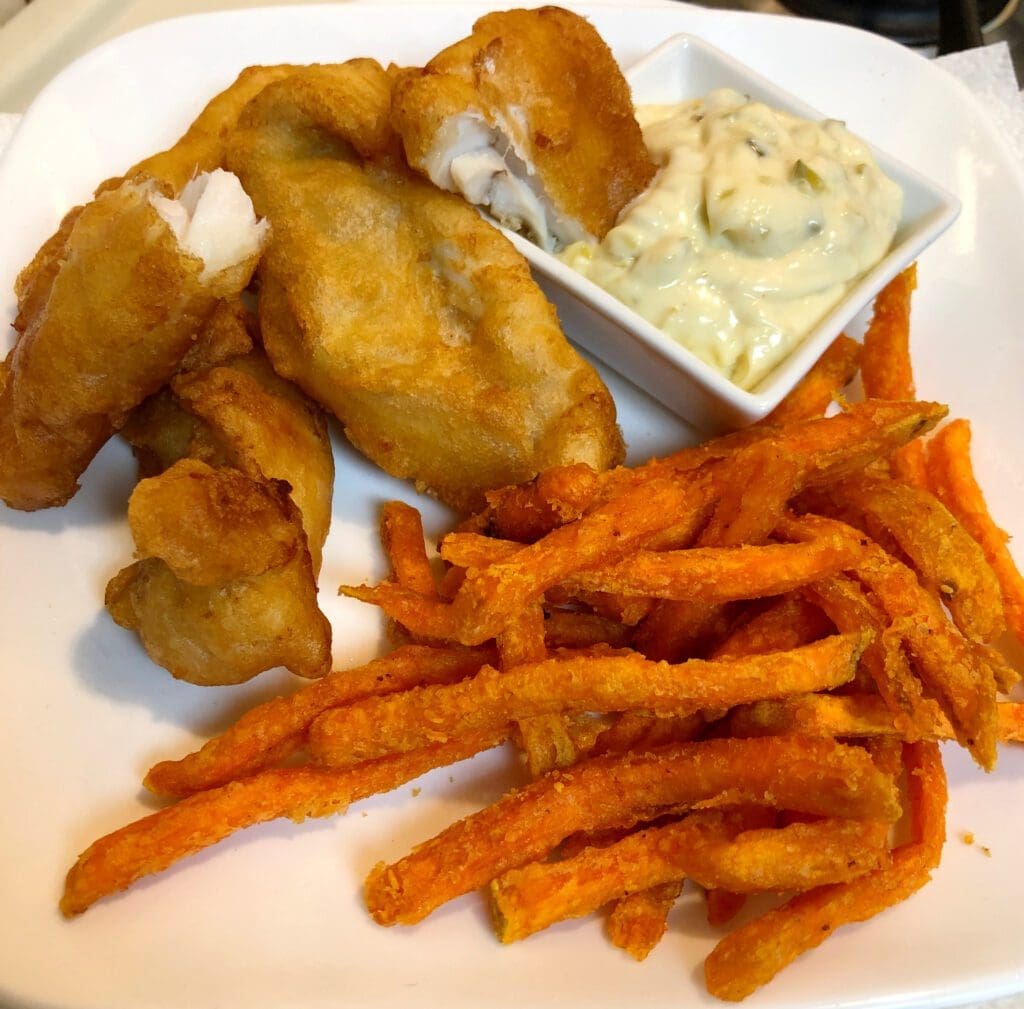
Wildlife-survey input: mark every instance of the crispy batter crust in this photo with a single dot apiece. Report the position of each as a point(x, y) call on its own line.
point(397, 307)
point(552, 83)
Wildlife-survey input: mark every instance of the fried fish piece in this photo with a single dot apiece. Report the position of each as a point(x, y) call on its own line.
point(397, 307)
point(531, 117)
point(240, 413)
point(200, 149)
point(224, 586)
point(137, 276)
point(225, 571)
point(270, 430)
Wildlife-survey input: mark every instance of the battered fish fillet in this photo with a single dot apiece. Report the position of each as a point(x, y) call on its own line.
point(138, 274)
point(397, 307)
point(530, 117)
point(232, 409)
point(200, 149)
point(204, 581)
point(224, 587)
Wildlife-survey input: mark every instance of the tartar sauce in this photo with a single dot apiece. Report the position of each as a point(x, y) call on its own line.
point(756, 225)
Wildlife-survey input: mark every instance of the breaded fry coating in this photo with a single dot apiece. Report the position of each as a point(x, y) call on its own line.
point(120, 312)
point(224, 587)
point(397, 307)
point(531, 117)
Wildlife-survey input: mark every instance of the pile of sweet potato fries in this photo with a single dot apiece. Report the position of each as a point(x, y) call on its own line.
point(732, 665)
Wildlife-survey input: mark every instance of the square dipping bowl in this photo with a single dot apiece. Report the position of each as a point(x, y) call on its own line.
point(682, 68)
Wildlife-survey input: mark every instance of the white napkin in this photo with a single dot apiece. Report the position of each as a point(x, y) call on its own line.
point(988, 74)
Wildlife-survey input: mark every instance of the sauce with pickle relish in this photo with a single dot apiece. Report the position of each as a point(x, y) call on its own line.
point(756, 225)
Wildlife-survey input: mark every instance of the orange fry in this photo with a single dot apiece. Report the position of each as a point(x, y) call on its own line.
point(754, 953)
point(909, 464)
point(807, 775)
point(723, 906)
point(945, 661)
point(951, 477)
point(705, 847)
point(157, 841)
point(788, 623)
point(527, 512)
point(404, 721)
point(885, 365)
point(947, 559)
point(401, 536)
point(490, 598)
point(854, 715)
point(637, 921)
point(832, 372)
point(268, 732)
point(644, 730)
point(565, 629)
point(849, 605)
point(544, 739)
point(831, 447)
point(705, 574)
point(752, 490)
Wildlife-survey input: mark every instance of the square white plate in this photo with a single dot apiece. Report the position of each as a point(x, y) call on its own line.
point(682, 68)
point(273, 918)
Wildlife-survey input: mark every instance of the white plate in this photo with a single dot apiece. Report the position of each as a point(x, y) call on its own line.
point(682, 68)
point(273, 919)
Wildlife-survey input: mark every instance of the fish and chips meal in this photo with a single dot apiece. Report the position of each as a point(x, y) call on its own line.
point(732, 665)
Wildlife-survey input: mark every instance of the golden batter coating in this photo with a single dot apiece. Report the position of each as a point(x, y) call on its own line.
point(224, 586)
point(223, 563)
point(105, 324)
point(397, 307)
point(531, 116)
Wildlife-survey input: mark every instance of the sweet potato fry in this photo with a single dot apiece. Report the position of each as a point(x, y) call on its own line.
point(947, 559)
point(885, 364)
point(754, 953)
point(951, 477)
point(787, 623)
point(832, 372)
point(644, 730)
point(909, 464)
point(723, 906)
point(946, 663)
point(157, 841)
point(717, 575)
point(401, 536)
point(886, 371)
point(270, 731)
point(833, 715)
point(752, 492)
point(831, 447)
point(567, 629)
point(849, 605)
point(491, 597)
point(544, 739)
point(527, 512)
point(791, 772)
point(403, 721)
point(706, 847)
point(638, 921)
